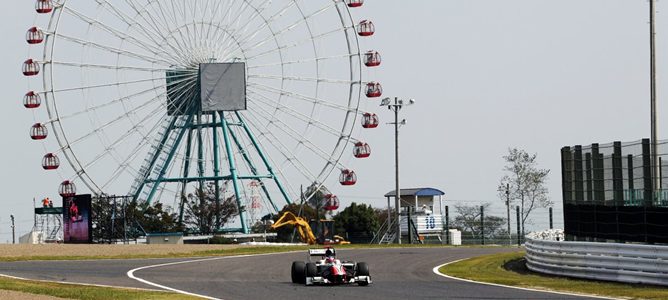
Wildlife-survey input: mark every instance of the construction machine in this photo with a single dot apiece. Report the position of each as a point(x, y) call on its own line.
point(306, 233)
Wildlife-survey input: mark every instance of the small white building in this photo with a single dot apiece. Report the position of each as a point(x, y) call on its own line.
point(420, 200)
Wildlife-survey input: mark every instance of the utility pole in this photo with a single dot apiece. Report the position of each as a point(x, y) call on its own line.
point(510, 236)
point(13, 230)
point(654, 131)
point(396, 107)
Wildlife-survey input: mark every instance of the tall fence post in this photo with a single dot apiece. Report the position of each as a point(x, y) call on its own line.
point(519, 235)
point(482, 224)
point(447, 226)
point(551, 224)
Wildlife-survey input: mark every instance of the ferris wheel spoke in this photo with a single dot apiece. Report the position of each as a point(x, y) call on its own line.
point(295, 135)
point(218, 34)
point(297, 43)
point(95, 131)
point(279, 146)
point(267, 22)
point(166, 22)
point(125, 164)
point(120, 83)
point(295, 24)
point(124, 116)
point(310, 100)
point(155, 30)
point(295, 78)
point(109, 67)
point(114, 50)
point(308, 120)
point(121, 35)
point(301, 61)
point(108, 104)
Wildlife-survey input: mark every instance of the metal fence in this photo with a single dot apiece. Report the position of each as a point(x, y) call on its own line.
point(631, 263)
point(478, 223)
point(615, 192)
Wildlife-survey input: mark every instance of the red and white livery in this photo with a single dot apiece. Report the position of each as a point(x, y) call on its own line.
point(329, 270)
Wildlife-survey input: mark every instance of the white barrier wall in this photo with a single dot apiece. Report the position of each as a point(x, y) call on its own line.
point(631, 263)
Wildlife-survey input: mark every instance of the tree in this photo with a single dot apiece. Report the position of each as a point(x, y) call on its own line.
point(156, 218)
point(468, 220)
point(356, 218)
point(201, 210)
point(139, 220)
point(526, 181)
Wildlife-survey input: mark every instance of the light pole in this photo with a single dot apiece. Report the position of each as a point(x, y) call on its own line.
point(396, 106)
point(653, 109)
point(13, 230)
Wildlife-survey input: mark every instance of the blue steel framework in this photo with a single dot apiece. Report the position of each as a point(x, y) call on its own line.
point(192, 116)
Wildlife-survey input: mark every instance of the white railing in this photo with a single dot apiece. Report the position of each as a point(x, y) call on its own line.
point(631, 263)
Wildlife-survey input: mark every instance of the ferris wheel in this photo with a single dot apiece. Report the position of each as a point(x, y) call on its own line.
point(152, 99)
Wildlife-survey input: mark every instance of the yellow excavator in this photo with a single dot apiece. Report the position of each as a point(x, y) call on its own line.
point(304, 230)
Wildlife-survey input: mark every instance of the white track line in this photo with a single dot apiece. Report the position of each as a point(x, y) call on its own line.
point(435, 270)
point(131, 272)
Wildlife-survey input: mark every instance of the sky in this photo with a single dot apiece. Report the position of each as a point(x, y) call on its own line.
point(486, 75)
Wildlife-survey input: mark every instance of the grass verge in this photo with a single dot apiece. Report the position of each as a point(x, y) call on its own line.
point(509, 269)
point(71, 291)
point(76, 252)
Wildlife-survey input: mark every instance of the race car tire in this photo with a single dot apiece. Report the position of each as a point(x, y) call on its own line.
point(298, 272)
point(311, 270)
point(362, 269)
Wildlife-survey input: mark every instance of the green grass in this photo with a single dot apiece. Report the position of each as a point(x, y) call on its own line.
point(490, 268)
point(221, 252)
point(71, 291)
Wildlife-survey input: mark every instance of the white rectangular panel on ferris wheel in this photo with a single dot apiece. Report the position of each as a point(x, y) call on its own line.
point(223, 86)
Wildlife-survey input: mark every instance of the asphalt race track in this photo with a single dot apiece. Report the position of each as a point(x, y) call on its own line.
point(396, 274)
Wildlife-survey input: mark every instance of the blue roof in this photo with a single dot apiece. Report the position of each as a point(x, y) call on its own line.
point(417, 192)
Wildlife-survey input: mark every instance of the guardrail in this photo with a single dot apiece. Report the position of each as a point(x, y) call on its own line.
point(630, 263)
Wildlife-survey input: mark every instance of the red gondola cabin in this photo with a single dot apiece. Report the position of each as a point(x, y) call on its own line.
point(44, 6)
point(38, 132)
point(32, 100)
point(30, 68)
point(331, 202)
point(354, 3)
point(34, 36)
point(50, 162)
point(347, 177)
point(366, 28)
point(372, 59)
point(362, 150)
point(67, 189)
point(370, 120)
point(374, 90)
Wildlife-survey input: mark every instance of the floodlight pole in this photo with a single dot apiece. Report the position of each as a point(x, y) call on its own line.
point(13, 230)
point(396, 107)
point(397, 189)
point(654, 130)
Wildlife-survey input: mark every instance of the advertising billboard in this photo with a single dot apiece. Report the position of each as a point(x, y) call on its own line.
point(77, 219)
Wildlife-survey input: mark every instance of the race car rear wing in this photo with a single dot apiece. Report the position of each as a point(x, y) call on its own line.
point(320, 252)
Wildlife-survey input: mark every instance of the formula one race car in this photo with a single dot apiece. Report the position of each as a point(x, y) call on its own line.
point(329, 270)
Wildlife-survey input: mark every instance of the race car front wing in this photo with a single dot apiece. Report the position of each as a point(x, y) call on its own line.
point(322, 280)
